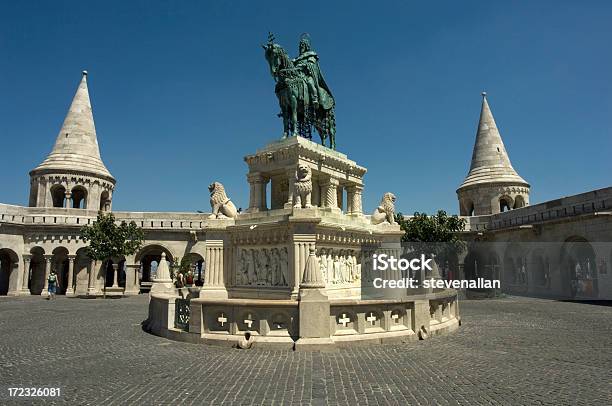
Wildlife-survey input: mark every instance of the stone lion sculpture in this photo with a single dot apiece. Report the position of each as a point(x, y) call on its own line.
point(385, 212)
point(221, 205)
point(302, 187)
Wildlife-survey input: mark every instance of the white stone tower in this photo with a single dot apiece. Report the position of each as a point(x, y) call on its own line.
point(73, 175)
point(492, 185)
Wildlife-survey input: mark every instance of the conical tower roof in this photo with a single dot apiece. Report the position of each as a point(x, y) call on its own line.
point(490, 161)
point(76, 147)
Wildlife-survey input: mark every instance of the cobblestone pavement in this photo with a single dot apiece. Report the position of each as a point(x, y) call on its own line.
point(508, 351)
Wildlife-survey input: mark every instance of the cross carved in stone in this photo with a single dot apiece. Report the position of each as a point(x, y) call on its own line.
point(248, 321)
point(395, 317)
point(371, 318)
point(222, 319)
point(344, 320)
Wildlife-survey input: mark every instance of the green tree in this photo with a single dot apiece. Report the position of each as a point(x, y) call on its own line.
point(437, 234)
point(109, 240)
point(437, 228)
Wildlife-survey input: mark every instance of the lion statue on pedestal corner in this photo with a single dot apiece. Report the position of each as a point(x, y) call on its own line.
point(385, 212)
point(222, 206)
point(302, 187)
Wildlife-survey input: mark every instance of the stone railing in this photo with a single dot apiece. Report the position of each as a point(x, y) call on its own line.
point(597, 201)
point(275, 323)
point(20, 215)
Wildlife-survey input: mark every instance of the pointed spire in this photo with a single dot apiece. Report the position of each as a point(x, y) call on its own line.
point(490, 161)
point(76, 146)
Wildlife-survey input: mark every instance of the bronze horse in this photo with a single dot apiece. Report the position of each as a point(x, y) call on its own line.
point(298, 99)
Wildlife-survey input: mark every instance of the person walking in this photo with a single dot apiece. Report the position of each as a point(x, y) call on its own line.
point(53, 284)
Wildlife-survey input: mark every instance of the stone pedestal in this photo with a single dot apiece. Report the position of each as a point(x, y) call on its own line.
point(131, 279)
point(314, 307)
point(215, 275)
point(332, 172)
point(45, 291)
point(314, 310)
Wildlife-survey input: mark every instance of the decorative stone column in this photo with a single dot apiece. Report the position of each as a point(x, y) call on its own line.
point(91, 284)
point(70, 287)
point(68, 195)
point(115, 274)
point(257, 196)
point(214, 281)
point(26, 275)
point(329, 194)
point(354, 205)
point(132, 286)
point(340, 198)
point(45, 291)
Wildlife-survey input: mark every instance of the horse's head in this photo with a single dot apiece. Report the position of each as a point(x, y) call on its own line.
point(276, 56)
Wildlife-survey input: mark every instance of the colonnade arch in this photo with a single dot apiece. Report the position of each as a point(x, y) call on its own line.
point(149, 257)
point(9, 263)
point(79, 197)
point(36, 277)
point(579, 265)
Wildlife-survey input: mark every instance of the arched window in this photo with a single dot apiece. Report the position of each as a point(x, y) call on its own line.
point(79, 197)
point(467, 208)
point(519, 202)
point(504, 204)
point(104, 201)
point(58, 195)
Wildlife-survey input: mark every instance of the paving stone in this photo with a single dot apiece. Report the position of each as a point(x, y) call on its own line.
point(507, 351)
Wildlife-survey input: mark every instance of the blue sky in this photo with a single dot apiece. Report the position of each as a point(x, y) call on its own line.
point(181, 91)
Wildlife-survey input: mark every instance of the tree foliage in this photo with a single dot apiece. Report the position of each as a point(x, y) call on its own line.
point(437, 234)
point(437, 228)
point(107, 239)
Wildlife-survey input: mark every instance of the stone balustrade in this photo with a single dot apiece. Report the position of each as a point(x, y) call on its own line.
point(275, 323)
point(597, 202)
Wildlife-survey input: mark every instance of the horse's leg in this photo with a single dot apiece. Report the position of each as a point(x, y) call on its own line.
point(285, 113)
point(294, 114)
point(332, 133)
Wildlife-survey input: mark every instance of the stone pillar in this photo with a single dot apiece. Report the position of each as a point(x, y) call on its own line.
point(91, 285)
point(291, 177)
point(14, 287)
point(45, 291)
point(131, 279)
point(214, 281)
point(257, 194)
point(264, 197)
point(314, 306)
point(354, 205)
point(340, 198)
point(279, 191)
point(70, 282)
point(26, 275)
point(329, 194)
point(68, 195)
point(115, 274)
